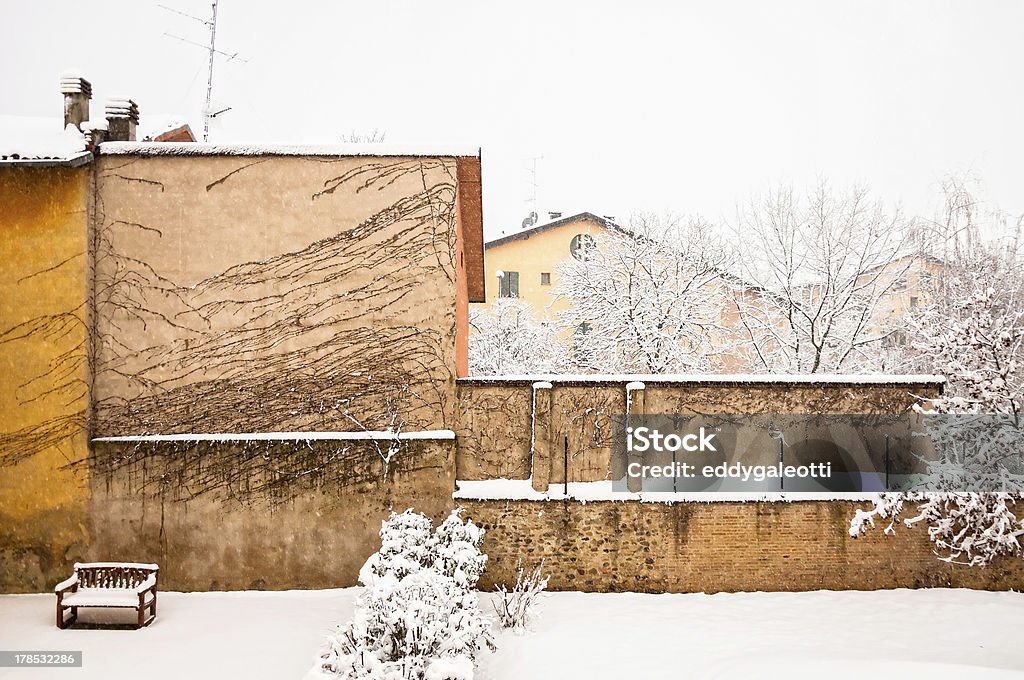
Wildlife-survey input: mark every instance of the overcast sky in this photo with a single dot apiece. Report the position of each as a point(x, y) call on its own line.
point(683, 106)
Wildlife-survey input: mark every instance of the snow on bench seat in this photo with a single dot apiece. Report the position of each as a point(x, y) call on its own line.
point(105, 597)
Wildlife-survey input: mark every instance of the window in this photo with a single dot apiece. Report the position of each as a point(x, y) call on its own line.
point(899, 284)
point(545, 278)
point(913, 302)
point(508, 284)
point(581, 246)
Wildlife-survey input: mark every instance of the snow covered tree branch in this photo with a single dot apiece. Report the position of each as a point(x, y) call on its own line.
point(508, 340)
point(819, 268)
point(973, 332)
point(646, 300)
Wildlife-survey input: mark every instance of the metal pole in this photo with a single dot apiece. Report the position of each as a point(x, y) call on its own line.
point(565, 463)
point(209, 78)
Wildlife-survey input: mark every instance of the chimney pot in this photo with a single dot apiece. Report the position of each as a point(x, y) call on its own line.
point(122, 119)
point(77, 92)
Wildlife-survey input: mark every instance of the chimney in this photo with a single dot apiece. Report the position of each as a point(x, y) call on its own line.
point(554, 215)
point(77, 92)
point(122, 118)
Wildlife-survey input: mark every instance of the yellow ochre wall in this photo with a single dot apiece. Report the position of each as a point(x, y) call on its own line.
point(43, 373)
point(540, 252)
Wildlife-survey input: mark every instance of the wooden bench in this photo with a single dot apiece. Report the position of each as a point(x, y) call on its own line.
point(109, 584)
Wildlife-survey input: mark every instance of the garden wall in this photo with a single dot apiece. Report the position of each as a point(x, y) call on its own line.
point(568, 424)
point(243, 515)
point(610, 546)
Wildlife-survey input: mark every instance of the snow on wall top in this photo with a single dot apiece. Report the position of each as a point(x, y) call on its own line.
point(280, 436)
point(743, 378)
point(522, 490)
point(24, 138)
point(259, 149)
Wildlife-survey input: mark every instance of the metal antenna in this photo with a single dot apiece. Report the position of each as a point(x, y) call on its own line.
point(533, 184)
point(209, 78)
point(210, 23)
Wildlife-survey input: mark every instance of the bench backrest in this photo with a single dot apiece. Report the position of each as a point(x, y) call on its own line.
point(113, 575)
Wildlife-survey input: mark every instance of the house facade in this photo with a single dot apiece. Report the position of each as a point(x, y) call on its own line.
point(525, 264)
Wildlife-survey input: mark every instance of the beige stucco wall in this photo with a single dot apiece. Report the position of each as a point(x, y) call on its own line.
point(274, 293)
point(213, 294)
point(252, 515)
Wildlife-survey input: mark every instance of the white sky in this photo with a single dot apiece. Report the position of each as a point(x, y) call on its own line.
point(684, 106)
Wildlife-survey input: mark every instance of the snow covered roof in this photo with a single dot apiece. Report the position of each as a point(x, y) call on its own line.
point(718, 379)
point(261, 149)
point(31, 140)
point(578, 217)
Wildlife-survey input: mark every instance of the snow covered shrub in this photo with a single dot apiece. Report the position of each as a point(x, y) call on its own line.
point(406, 546)
point(456, 552)
point(516, 608)
point(419, 618)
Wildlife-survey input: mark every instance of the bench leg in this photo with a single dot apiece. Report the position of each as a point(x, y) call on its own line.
point(142, 616)
point(61, 622)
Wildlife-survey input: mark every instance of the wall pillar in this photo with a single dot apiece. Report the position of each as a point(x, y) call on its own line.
point(541, 421)
point(634, 407)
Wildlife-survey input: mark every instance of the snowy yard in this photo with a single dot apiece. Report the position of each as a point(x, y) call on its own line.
point(275, 636)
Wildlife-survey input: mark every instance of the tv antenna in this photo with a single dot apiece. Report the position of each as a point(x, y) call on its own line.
point(211, 23)
point(532, 185)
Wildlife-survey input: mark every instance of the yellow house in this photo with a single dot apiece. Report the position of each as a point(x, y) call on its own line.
point(525, 264)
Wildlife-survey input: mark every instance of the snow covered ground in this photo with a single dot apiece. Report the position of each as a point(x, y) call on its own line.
point(275, 636)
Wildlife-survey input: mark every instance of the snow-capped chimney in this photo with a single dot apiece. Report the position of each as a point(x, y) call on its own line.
point(122, 119)
point(77, 92)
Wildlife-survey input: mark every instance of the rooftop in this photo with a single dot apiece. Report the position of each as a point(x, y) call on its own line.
point(578, 217)
point(32, 139)
point(263, 149)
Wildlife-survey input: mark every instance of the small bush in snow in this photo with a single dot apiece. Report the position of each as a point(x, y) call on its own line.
point(419, 618)
point(516, 608)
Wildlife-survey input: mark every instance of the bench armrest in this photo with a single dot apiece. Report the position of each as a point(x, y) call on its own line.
point(66, 584)
point(149, 583)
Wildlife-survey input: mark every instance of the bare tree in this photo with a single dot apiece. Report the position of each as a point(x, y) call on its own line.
point(374, 136)
point(818, 269)
point(647, 299)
